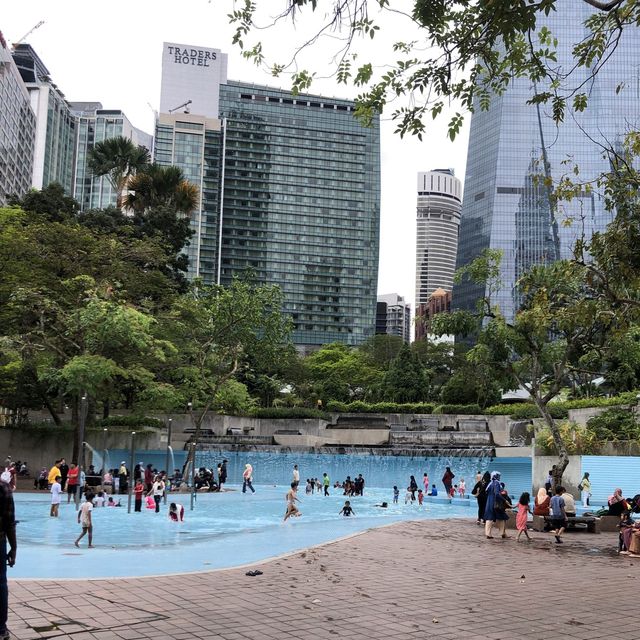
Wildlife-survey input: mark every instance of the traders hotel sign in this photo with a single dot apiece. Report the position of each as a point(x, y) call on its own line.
point(194, 57)
point(192, 74)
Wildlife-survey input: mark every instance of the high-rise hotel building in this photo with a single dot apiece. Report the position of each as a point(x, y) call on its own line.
point(17, 129)
point(516, 149)
point(437, 222)
point(290, 189)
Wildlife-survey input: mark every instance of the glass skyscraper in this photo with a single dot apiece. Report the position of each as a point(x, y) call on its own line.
point(95, 124)
point(515, 147)
point(17, 129)
point(290, 190)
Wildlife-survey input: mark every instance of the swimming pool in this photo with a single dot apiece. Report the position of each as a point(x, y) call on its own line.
point(224, 530)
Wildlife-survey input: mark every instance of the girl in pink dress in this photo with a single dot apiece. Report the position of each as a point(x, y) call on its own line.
point(521, 517)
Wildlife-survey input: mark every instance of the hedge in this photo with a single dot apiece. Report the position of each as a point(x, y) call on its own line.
point(461, 409)
point(129, 421)
point(288, 413)
point(379, 407)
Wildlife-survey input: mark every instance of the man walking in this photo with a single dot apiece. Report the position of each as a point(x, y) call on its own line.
point(296, 475)
point(7, 534)
point(123, 475)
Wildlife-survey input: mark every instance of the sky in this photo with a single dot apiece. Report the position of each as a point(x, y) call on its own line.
point(111, 53)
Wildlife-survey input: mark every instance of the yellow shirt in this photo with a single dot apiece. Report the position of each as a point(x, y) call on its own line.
point(53, 473)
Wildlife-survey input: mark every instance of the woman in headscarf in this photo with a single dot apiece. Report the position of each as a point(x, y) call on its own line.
point(617, 503)
point(247, 477)
point(541, 503)
point(495, 509)
point(480, 492)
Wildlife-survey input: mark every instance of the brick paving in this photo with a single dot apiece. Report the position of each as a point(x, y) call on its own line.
point(431, 579)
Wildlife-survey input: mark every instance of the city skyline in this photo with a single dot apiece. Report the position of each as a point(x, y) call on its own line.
point(96, 77)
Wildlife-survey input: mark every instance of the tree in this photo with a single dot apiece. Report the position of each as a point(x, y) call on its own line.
point(382, 349)
point(214, 328)
point(51, 203)
point(161, 186)
point(339, 372)
point(118, 159)
point(456, 51)
point(406, 380)
point(562, 326)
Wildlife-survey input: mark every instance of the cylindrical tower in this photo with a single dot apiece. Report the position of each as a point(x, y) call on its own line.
point(438, 222)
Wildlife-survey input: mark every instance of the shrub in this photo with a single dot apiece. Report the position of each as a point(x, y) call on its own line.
point(463, 409)
point(506, 409)
point(379, 407)
point(129, 421)
point(577, 439)
point(289, 413)
point(338, 407)
point(614, 424)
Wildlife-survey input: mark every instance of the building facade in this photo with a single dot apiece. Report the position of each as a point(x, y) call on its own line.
point(17, 129)
point(95, 124)
point(439, 302)
point(516, 150)
point(393, 316)
point(438, 222)
point(290, 190)
point(55, 124)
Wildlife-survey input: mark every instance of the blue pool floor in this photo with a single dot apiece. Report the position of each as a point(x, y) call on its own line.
point(224, 530)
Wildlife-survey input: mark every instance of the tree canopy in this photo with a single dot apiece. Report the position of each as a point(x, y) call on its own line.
point(455, 52)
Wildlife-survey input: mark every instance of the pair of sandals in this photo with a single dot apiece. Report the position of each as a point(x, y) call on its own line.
point(253, 573)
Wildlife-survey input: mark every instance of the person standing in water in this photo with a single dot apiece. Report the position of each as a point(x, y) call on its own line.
point(585, 489)
point(84, 519)
point(447, 480)
point(292, 498)
point(325, 483)
point(296, 475)
point(247, 478)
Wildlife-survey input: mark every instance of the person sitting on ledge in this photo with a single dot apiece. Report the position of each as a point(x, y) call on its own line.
point(541, 503)
point(434, 491)
point(617, 503)
point(569, 504)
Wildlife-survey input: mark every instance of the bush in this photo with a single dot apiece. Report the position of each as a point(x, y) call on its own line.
point(379, 407)
point(463, 409)
point(129, 421)
point(577, 439)
point(614, 424)
point(289, 413)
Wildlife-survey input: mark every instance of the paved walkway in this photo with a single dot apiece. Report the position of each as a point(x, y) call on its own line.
point(411, 580)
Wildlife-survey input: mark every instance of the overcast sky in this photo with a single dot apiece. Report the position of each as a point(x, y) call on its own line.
point(111, 53)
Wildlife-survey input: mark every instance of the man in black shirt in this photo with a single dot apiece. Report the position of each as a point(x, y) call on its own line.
point(7, 534)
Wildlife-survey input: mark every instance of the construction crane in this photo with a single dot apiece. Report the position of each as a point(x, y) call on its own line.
point(184, 104)
point(26, 35)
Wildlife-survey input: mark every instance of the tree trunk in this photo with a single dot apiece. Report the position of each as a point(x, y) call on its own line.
point(54, 414)
point(561, 449)
point(106, 408)
point(76, 427)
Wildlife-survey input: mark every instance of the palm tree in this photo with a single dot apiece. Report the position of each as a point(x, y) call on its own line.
point(118, 159)
point(161, 186)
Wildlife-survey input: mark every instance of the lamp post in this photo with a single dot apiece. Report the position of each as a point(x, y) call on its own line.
point(104, 452)
point(82, 416)
point(166, 464)
point(193, 456)
point(131, 457)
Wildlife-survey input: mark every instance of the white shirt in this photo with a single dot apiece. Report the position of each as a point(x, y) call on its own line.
point(296, 475)
point(99, 501)
point(85, 510)
point(56, 489)
point(158, 488)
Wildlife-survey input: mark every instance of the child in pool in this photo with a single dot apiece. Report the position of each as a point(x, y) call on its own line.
point(176, 512)
point(420, 497)
point(347, 510)
point(396, 494)
point(462, 488)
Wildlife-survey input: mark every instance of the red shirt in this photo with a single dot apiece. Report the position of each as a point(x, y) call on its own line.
point(72, 476)
point(138, 490)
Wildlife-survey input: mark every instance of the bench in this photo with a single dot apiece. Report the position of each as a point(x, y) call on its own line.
point(573, 522)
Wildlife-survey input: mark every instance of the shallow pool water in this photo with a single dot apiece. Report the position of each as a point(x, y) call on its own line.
point(224, 530)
